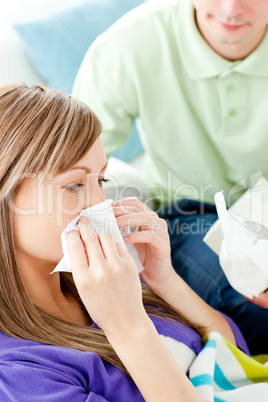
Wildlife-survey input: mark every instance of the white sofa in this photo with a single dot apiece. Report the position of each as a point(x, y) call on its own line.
point(15, 66)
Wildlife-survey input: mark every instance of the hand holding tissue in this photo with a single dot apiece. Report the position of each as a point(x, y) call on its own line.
point(102, 220)
point(243, 244)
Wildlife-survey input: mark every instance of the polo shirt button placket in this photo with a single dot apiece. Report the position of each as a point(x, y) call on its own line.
point(233, 112)
point(231, 92)
point(230, 88)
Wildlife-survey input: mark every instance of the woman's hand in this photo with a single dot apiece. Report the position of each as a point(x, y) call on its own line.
point(108, 283)
point(106, 278)
point(151, 239)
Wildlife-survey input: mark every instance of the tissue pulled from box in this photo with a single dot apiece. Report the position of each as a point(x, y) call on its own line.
point(244, 251)
point(102, 219)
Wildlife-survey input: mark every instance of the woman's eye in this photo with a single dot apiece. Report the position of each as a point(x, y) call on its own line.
point(101, 181)
point(73, 188)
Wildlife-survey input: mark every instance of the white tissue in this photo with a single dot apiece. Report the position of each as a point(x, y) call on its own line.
point(244, 251)
point(102, 219)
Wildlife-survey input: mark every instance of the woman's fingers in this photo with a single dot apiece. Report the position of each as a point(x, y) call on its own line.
point(90, 240)
point(131, 201)
point(108, 246)
point(129, 205)
point(98, 247)
point(131, 212)
point(121, 250)
point(76, 251)
point(147, 236)
point(112, 250)
point(125, 210)
point(143, 222)
point(86, 247)
point(133, 220)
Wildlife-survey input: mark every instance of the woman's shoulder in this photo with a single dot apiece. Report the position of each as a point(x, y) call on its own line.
point(34, 369)
point(58, 357)
point(31, 354)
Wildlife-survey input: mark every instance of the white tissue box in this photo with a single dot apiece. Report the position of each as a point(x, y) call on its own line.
point(240, 238)
point(252, 206)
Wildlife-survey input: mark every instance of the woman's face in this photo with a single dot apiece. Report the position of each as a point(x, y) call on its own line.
point(43, 210)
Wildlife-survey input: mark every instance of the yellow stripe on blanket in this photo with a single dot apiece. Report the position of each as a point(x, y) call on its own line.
point(223, 373)
point(254, 370)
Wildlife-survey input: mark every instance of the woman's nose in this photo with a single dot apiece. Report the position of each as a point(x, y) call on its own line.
point(95, 195)
point(98, 198)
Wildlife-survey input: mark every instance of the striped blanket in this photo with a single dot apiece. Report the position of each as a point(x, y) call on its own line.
point(223, 373)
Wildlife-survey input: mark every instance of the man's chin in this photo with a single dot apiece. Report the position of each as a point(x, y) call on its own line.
point(229, 35)
point(229, 38)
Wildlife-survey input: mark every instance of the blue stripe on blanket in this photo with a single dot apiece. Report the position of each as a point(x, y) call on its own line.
point(218, 399)
point(211, 344)
point(221, 380)
point(202, 379)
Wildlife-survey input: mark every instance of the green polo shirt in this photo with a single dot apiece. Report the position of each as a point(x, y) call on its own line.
point(203, 120)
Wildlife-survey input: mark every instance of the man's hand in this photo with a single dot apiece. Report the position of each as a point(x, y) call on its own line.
point(261, 300)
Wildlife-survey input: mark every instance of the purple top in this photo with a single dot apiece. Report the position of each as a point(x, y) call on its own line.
point(34, 372)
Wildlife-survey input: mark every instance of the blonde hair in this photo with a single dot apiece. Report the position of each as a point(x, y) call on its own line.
point(44, 130)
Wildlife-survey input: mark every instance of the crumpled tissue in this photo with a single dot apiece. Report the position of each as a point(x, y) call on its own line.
point(244, 249)
point(102, 219)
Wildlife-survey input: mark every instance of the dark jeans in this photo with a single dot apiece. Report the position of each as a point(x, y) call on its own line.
point(198, 265)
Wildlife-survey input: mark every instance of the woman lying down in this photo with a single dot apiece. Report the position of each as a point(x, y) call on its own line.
point(97, 334)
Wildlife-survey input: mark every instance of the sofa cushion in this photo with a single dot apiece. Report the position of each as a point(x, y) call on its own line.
point(57, 43)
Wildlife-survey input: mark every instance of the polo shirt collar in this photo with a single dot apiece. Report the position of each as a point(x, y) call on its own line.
point(256, 64)
point(200, 60)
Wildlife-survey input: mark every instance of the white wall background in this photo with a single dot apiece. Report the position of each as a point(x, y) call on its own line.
point(12, 11)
